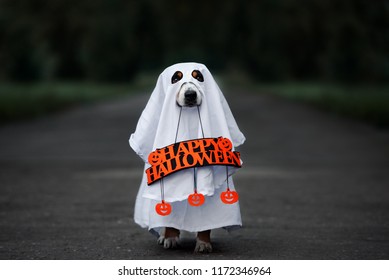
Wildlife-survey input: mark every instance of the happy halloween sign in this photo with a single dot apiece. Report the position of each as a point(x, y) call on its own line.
point(191, 153)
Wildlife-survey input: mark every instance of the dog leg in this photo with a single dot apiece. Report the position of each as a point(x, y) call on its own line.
point(203, 242)
point(161, 237)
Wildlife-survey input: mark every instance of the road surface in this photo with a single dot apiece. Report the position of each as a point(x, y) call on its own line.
point(313, 186)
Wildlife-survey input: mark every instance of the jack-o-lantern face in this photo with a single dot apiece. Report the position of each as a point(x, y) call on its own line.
point(229, 197)
point(154, 158)
point(224, 144)
point(196, 199)
point(163, 208)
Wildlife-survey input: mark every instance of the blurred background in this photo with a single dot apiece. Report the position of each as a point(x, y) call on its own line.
point(314, 185)
point(310, 50)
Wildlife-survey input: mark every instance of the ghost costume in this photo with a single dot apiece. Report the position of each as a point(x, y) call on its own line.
point(157, 128)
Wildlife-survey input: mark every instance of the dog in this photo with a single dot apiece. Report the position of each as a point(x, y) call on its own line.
point(179, 89)
point(189, 95)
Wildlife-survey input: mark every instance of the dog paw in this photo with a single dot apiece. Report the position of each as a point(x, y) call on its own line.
point(203, 247)
point(160, 240)
point(169, 242)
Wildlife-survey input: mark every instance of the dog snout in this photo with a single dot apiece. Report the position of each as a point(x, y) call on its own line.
point(190, 96)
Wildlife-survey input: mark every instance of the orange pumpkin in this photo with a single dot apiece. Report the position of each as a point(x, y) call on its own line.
point(224, 144)
point(163, 208)
point(154, 158)
point(196, 199)
point(229, 197)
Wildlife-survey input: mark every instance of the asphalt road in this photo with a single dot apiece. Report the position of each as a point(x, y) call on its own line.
point(313, 186)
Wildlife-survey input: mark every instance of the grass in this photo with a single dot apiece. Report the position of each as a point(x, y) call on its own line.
point(363, 102)
point(22, 101)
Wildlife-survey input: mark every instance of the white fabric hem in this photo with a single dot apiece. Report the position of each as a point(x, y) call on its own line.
point(156, 230)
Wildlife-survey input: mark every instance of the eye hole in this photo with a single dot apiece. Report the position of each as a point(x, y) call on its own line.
point(197, 75)
point(176, 77)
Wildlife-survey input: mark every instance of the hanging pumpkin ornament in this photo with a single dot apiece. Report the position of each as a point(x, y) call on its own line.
point(229, 197)
point(163, 208)
point(196, 199)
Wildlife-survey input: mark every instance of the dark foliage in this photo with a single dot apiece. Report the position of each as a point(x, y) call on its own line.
point(112, 40)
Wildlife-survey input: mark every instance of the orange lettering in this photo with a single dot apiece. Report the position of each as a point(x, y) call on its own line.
point(182, 148)
point(163, 170)
point(186, 154)
point(168, 152)
point(236, 159)
point(199, 159)
point(186, 159)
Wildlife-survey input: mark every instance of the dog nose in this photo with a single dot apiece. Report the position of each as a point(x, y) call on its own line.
point(190, 95)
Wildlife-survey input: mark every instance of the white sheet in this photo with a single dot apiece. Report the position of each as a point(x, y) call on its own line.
point(156, 128)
